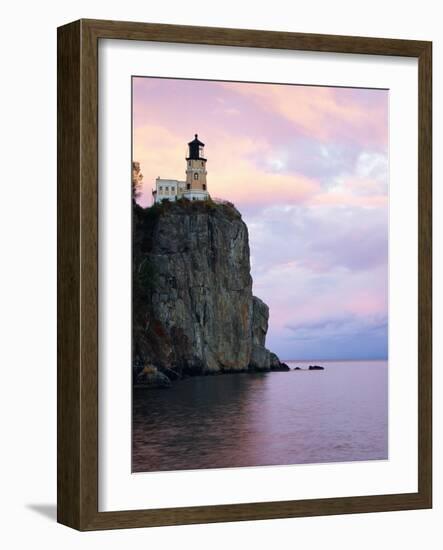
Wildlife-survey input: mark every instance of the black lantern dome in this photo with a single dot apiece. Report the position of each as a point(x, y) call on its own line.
point(196, 149)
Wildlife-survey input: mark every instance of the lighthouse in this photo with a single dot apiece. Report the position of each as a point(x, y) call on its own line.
point(195, 187)
point(196, 166)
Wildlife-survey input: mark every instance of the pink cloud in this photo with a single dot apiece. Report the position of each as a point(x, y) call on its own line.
point(321, 112)
point(340, 198)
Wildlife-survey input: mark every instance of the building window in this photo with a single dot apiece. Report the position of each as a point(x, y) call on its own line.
point(172, 189)
point(161, 188)
point(196, 176)
point(188, 186)
point(204, 187)
point(203, 163)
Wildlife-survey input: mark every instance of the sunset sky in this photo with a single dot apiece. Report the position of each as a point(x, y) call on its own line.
point(307, 167)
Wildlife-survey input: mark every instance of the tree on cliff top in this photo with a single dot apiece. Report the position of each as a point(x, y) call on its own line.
point(137, 180)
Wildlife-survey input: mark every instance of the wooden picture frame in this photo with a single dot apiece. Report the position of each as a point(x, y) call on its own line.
point(78, 274)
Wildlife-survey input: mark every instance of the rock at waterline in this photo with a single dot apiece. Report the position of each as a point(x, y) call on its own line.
point(277, 365)
point(311, 367)
point(151, 377)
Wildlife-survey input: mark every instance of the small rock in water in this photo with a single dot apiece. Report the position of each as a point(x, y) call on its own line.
point(316, 367)
point(297, 368)
point(152, 377)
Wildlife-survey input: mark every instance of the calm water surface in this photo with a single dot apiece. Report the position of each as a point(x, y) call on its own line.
point(297, 417)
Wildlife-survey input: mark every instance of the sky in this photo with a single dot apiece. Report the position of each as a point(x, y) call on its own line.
point(307, 167)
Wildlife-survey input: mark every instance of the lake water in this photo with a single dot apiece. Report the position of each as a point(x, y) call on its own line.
point(297, 417)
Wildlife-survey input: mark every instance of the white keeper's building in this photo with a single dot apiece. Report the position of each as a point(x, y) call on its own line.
point(195, 186)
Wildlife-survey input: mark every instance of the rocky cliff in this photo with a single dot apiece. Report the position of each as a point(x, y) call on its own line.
point(193, 308)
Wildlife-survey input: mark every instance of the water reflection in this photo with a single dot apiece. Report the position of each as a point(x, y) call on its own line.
point(339, 414)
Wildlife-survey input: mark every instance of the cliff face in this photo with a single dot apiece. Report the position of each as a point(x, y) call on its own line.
point(260, 356)
point(194, 312)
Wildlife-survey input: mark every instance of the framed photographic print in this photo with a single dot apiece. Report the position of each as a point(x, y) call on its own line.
point(244, 280)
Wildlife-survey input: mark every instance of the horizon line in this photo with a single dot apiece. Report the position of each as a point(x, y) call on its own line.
point(343, 360)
